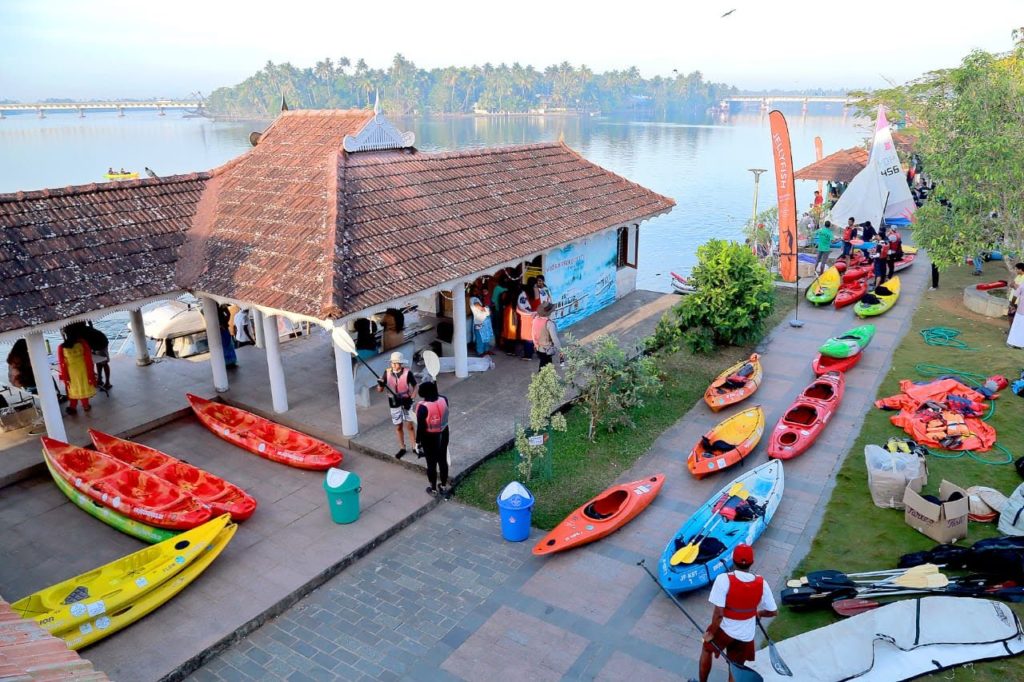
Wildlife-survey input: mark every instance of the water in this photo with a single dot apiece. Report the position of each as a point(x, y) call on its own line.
point(702, 167)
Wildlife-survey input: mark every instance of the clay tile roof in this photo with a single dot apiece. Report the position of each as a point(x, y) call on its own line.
point(842, 165)
point(27, 652)
point(71, 251)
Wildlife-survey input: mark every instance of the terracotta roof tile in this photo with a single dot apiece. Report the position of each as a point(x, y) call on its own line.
point(842, 165)
point(27, 652)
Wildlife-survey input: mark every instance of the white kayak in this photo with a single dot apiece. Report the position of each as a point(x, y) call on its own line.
point(899, 641)
point(682, 285)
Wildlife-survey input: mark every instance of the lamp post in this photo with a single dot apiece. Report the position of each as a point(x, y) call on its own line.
point(757, 179)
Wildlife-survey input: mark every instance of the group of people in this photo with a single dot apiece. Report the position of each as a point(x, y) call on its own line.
point(886, 252)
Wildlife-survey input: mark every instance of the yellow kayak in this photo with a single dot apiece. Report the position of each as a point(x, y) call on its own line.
point(735, 384)
point(122, 176)
point(94, 630)
point(72, 602)
point(824, 289)
point(880, 300)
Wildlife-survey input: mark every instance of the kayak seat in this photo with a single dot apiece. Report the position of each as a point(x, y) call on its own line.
point(803, 415)
point(734, 381)
point(746, 370)
point(870, 299)
point(710, 548)
point(607, 506)
point(717, 446)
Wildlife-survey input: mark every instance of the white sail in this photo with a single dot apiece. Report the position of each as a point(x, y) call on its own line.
point(886, 162)
point(863, 200)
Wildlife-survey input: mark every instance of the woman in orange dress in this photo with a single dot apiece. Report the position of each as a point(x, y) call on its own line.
point(76, 369)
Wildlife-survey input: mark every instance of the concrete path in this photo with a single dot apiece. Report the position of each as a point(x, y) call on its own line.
point(447, 599)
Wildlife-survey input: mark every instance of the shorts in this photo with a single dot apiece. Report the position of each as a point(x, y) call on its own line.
point(100, 357)
point(737, 651)
point(400, 414)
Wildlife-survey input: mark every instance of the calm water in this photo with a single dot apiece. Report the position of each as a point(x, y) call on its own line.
point(702, 167)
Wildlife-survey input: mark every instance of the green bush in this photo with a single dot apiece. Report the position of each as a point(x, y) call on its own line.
point(545, 394)
point(667, 337)
point(733, 299)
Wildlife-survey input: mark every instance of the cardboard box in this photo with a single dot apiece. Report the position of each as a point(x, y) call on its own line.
point(946, 522)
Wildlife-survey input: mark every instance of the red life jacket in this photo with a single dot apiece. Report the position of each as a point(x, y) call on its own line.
point(742, 598)
point(437, 414)
point(399, 384)
point(847, 234)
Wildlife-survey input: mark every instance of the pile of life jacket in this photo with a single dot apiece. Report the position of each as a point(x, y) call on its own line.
point(944, 413)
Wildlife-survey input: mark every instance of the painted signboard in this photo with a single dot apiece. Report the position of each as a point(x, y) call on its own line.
point(581, 277)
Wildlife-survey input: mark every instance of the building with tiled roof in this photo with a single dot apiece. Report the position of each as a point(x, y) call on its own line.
point(840, 166)
point(333, 215)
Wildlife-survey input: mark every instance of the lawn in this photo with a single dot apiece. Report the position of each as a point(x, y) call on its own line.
point(855, 535)
point(582, 469)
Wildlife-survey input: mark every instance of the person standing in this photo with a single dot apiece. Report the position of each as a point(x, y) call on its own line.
point(868, 231)
point(543, 293)
point(849, 234)
point(432, 437)
point(823, 237)
point(1016, 336)
point(879, 263)
point(818, 200)
point(545, 336)
point(895, 250)
point(483, 332)
point(935, 277)
point(242, 336)
point(401, 385)
point(525, 312)
point(100, 346)
point(740, 597)
point(74, 358)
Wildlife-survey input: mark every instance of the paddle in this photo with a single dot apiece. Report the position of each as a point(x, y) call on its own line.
point(346, 343)
point(853, 607)
point(432, 363)
point(740, 672)
point(778, 664)
point(830, 579)
point(809, 598)
point(686, 554)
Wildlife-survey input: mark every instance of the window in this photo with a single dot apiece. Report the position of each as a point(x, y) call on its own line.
point(627, 246)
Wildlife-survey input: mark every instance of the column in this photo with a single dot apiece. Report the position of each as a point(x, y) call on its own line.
point(44, 384)
point(278, 389)
point(459, 341)
point(139, 336)
point(257, 325)
point(220, 371)
point(346, 385)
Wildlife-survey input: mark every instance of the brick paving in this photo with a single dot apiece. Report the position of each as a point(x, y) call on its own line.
point(447, 599)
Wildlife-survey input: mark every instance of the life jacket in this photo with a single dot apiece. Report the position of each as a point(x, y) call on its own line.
point(399, 384)
point(525, 325)
point(742, 598)
point(848, 234)
point(437, 414)
point(541, 336)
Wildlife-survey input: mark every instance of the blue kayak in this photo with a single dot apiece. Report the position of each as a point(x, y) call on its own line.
point(738, 513)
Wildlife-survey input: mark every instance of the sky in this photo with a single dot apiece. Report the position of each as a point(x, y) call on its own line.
point(88, 49)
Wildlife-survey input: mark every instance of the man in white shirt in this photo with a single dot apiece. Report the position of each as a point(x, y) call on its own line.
point(740, 598)
point(241, 321)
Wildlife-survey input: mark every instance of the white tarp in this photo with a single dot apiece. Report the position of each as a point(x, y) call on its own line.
point(863, 200)
point(886, 162)
point(899, 641)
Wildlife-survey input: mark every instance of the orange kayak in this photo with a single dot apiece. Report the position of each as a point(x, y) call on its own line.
point(728, 443)
point(221, 496)
point(735, 384)
point(263, 437)
point(602, 515)
point(136, 494)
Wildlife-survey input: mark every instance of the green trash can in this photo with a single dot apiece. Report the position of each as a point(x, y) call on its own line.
point(343, 490)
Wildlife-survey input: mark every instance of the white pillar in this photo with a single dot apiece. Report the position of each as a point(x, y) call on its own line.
point(44, 385)
point(139, 335)
point(278, 389)
point(220, 371)
point(459, 340)
point(257, 325)
point(346, 387)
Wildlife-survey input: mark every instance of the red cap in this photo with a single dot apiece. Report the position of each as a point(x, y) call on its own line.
point(743, 555)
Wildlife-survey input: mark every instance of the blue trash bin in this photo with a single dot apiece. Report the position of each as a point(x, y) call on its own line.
point(515, 507)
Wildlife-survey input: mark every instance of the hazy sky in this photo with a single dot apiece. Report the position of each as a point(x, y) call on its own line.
point(90, 48)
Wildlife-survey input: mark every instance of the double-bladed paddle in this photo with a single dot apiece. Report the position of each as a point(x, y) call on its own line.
point(689, 552)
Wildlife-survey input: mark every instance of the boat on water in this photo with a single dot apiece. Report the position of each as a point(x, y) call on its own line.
point(682, 285)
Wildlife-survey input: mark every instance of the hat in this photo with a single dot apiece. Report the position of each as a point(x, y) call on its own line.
point(743, 555)
point(398, 357)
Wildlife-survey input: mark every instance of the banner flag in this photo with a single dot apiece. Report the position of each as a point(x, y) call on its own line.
point(782, 153)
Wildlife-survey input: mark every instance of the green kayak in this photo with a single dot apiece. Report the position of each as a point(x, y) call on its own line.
point(109, 516)
point(848, 344)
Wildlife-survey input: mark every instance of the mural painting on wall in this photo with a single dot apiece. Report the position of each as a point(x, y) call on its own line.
point(581, 277)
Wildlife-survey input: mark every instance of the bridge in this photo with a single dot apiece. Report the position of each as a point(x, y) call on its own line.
point(766, 101)
point(81, 107)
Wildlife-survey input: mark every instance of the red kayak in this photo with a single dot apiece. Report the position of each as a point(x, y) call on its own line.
point(855, 273)
point(221, 496)
point(602, 515)
point(136, 494)
point(905, 262)
point(823, 364)
point(851, 293)
point(985, 286)
point(263, 437)
point(807, 417)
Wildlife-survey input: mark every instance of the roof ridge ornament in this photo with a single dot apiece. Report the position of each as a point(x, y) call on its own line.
point(378, 134)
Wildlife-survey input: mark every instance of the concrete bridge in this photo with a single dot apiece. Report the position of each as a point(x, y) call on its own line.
point(766, 101)
point(81, 107)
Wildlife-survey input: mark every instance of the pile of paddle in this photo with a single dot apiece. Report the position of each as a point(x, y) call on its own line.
point(849, 594)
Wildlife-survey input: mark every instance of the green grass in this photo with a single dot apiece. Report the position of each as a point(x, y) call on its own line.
point(855, 535)
point(582, 469)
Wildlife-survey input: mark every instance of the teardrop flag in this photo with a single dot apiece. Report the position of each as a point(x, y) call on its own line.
point(782, 153)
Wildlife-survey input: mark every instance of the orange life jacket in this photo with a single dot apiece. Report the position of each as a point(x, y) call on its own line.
point(399, 384)
point(742, 598)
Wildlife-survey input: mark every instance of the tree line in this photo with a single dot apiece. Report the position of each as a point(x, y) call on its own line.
point(406, 89)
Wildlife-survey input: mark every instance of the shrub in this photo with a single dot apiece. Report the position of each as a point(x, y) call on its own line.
point(545, 395)
point(667, 337)
point(732, 301)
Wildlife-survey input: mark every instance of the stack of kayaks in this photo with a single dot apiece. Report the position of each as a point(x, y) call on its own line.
point(880, 300)
point(735, 384)
point(807, 417)
point(136, 494)
point(263, 437)
point(856, 272)
point(851, 292)
point(88, 607)
point(728, 443)
point(824, 288)
point(738, 513)
point(602, 515)
point(221, 496)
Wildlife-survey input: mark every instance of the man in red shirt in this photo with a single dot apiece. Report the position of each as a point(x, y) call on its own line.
point(740, 597)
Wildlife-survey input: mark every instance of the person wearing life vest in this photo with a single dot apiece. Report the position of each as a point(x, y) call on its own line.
point(401, 387)
point(432, 437)
point(740, 597)
point(849, 234)
point(545, 336)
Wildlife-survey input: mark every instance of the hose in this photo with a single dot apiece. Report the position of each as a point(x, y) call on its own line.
point(944, 336)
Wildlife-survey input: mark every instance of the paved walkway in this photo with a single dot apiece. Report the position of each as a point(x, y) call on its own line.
point(447, 599)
